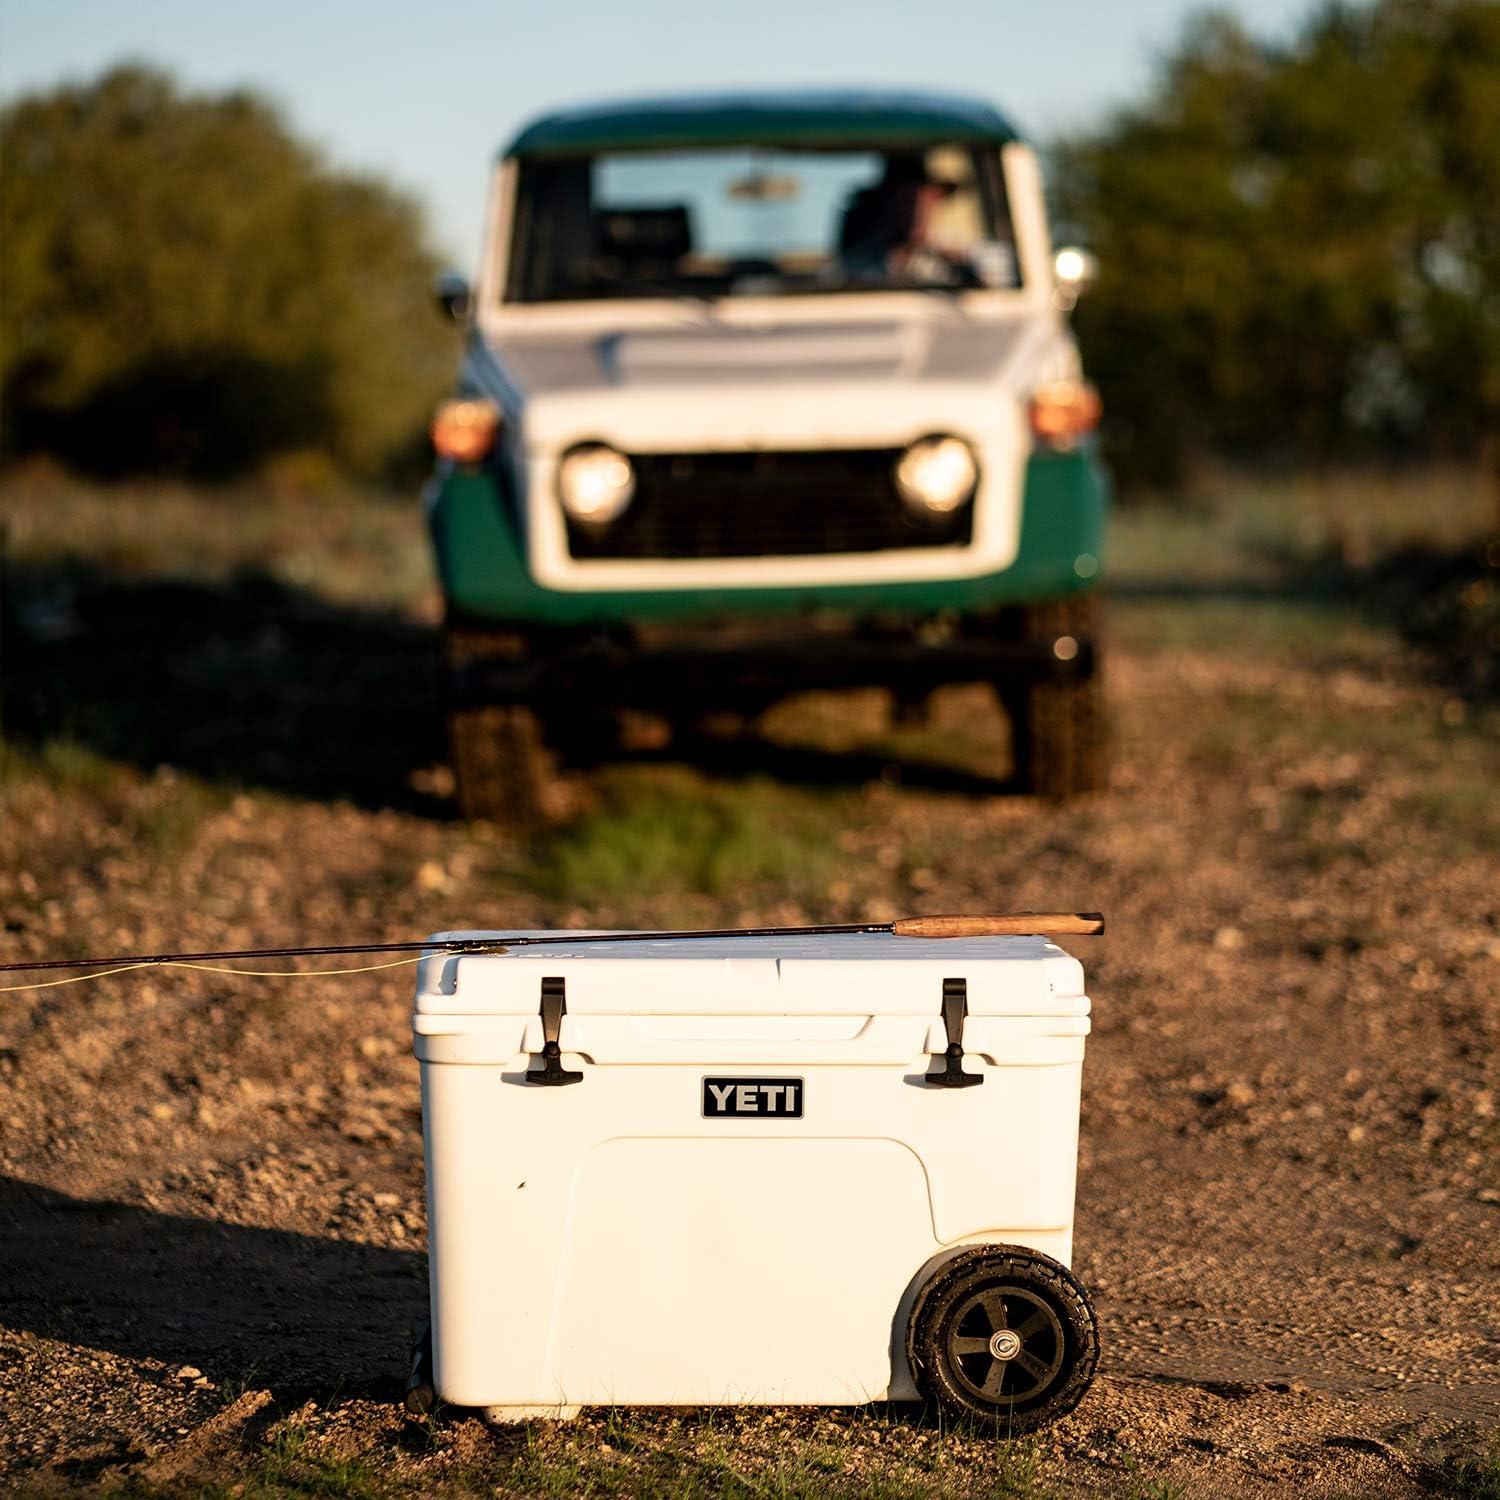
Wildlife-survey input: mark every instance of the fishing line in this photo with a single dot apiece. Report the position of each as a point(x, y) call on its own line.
point(177, 963)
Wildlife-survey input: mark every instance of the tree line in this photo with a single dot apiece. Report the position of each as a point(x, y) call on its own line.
point(184, 286)
point(1299, 241)
point(1300, 244)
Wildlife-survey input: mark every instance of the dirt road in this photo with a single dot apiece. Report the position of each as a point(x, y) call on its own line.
point(211, 1221)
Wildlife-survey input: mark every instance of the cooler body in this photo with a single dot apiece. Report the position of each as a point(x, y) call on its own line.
point(738, 1199)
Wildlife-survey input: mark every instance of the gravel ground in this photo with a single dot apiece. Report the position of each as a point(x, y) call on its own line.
point(211, 1214)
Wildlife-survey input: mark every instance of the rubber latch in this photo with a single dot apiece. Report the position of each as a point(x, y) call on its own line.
point(554, 1008)
point(955, 1009)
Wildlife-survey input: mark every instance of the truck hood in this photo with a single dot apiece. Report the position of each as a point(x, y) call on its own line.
point(725, 385)
point(882, 350)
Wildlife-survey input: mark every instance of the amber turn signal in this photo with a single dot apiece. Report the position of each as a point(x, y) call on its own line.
point(1064, 411)
point(465, 430)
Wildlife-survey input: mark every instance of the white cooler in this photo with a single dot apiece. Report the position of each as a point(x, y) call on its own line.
point(755, 1170)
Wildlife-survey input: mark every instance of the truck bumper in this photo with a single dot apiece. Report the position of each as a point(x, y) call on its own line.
point(482, 564)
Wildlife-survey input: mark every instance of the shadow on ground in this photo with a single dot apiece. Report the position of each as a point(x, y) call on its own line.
point(296, 1314)
point(247, 682)
point(251, 682)
point(1443, 600)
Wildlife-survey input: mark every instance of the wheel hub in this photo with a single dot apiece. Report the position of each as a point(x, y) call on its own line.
point(1005, 1344)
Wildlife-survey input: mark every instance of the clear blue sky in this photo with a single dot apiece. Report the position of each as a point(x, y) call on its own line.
point(425, 90)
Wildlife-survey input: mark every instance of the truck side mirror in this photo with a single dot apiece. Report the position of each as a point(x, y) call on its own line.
point(1074, 271)
point(454, 299)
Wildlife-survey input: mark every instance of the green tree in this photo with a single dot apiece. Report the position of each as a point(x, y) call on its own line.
point(184, 284)
point(1301, 243)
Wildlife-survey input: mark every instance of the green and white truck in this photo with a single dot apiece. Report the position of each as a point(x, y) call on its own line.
point(765, 393)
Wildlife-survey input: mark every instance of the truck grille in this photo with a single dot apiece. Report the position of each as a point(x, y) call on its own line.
point(697, 505)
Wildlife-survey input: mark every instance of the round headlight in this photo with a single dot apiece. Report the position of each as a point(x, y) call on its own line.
point(595, 484)
point(936, 475)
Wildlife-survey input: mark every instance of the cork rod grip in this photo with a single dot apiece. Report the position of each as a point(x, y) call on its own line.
point(1013, 924)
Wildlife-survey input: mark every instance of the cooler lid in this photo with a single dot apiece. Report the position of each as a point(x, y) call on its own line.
point(864, 973)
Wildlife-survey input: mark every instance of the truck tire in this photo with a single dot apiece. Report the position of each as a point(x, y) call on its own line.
point(1003, 1336)
point(503, 769)
point(1058, 725)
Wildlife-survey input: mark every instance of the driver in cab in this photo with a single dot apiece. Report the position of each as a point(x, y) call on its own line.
point(890, 230)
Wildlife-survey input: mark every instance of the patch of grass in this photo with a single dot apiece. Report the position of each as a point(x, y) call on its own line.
point(63, 763)
point(288, 1467)
point(285, 1465)
point(800, 1474)
point(1266, 625)
point(1360, 516)
point(342, 544)
point(1470, 1477)
point(1247, 529)
point(668, 832)
point(537, 1473)
point(730, 1455)
point(1016, 1468)
point(160, 814)
point(1463, 808)
point(164, 815)
point(1152, 1487)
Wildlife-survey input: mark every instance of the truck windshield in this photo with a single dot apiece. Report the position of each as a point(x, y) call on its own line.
point(760, 222)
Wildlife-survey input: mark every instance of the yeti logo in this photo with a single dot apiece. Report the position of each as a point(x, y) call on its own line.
point(735, 1097)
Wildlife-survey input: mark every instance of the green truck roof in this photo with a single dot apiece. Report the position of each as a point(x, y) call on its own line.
point(862, 118)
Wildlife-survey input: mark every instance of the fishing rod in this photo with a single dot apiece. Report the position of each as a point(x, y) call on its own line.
point(1009, 924)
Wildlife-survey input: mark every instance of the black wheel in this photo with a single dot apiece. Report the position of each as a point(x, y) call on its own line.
point(503, 769)
point(1004, 1336)
point(1058, 725)
point(421, 1384)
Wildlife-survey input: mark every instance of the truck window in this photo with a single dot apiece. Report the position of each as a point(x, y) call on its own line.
point(760, 221)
